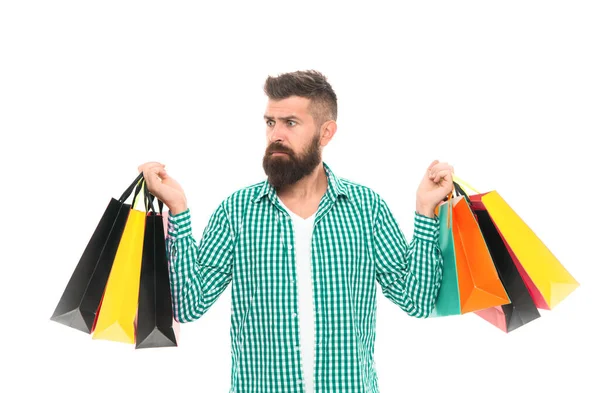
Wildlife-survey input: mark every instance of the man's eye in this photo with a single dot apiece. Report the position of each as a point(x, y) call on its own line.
point(270, 123)
point(291, 123)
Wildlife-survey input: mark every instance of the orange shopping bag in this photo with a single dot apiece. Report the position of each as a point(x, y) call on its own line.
point(475, 280)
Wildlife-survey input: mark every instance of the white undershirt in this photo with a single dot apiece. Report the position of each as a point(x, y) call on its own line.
point(303, 229)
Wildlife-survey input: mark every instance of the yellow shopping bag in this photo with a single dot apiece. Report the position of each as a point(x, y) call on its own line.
point(547, 280)
point(116, 319)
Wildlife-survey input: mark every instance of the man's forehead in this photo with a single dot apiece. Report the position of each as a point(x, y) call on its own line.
point(291, 106)
point(285, 115)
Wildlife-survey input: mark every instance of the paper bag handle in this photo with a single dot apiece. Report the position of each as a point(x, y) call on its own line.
point(149, 199)
point(129, 189)
point(464, 184)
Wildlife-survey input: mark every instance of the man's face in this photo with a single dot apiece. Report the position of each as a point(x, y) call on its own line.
point(293, 142)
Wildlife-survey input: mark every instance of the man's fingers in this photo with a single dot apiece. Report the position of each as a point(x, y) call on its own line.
point(432, 165)
point(440, 166)
point(152, 171)
point(162, 173)
point(435, 167)
point(152, 177)
point(441, 174)
point(149, 164)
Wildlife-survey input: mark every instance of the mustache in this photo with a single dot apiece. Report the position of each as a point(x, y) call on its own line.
point(279, 148)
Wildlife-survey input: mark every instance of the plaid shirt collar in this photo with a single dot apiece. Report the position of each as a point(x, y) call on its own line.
point(335, 188)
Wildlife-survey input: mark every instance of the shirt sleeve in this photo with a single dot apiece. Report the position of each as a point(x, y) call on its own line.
point(409, 274)
point(199, 272)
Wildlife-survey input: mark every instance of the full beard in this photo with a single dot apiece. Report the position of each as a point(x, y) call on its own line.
point(284, 170)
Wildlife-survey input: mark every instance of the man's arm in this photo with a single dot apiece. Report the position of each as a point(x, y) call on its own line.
point(199, 273)
point(409, 275)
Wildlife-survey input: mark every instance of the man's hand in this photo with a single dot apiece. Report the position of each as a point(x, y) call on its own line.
point(164, 187)
point(435, 186)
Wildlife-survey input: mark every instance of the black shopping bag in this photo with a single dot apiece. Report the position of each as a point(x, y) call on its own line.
point(521, 309)
point(155, 325)
point(81, 299)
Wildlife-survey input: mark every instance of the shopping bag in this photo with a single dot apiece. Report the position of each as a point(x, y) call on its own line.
point(79, 303)
point(155, 323)
point(479, 286)
point(522, 309)
point(118, 309)
point(547, 280)
point(448, 299)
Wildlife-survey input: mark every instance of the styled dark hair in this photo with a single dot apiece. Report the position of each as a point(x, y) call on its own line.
point(309, 84)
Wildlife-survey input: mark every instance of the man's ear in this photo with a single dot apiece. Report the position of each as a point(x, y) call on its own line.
point(328, 130)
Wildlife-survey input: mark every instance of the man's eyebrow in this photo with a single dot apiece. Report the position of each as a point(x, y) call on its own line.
point(292, 117)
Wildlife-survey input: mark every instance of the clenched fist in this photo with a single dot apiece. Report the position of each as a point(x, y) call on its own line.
point(436, 184)
point(164, 187)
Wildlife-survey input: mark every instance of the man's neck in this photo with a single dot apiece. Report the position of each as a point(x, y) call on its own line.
point(311, 186)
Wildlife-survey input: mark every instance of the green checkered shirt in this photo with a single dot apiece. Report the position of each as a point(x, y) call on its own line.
point(356, 242)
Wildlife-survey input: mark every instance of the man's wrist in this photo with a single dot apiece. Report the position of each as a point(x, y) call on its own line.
point(426, 211)
point(177, 209)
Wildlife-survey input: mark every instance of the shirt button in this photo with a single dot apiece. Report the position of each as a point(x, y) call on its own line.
point(294, 314)
point(297, 348)
point(299, 382)
point(289, 246)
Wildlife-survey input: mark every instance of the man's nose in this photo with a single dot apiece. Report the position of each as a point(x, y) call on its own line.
point(277, 133)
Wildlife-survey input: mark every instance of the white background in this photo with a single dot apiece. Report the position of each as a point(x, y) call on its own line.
point(508, 92)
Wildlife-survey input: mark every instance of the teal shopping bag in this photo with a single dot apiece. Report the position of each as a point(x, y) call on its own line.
point(448, 300)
